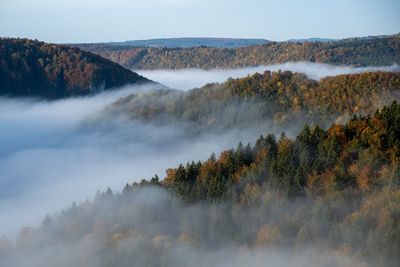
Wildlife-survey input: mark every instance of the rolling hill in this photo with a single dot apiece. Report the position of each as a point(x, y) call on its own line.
point(327, 195)
point(282, 98)
point(31, 68)
point(368, 51)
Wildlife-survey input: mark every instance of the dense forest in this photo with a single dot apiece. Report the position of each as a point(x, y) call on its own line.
point(33, 68)
point(282, 98)
point(369, 51)
point(325, 198)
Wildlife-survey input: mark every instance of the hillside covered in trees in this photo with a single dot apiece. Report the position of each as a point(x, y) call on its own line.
point(369, 51)
point(325, 198)
point(32, 68)
point(282, 98)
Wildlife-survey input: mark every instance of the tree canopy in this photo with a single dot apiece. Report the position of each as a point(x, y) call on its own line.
point(33, 68)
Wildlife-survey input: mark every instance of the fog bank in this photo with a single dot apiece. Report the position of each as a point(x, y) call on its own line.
point(150, 227)
point(54, 153)
point(190, 78)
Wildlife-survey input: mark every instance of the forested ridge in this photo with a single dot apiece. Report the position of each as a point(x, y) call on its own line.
point(279, 97)
point(334, 191)
point(371, 51)
point(38, 69)
point(184, 42)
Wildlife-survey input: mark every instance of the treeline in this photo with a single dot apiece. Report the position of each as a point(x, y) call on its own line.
point(371, 51)
point(340, 94)
point(350, 173)
point(283, 98)
point(33, 68)
point(362, 155)
point(335, 192)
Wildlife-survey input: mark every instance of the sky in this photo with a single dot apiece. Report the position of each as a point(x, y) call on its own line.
point(64, 21)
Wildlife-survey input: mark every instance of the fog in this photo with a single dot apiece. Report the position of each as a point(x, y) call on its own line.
point(185, 79)
point(151, 227)
point(54, 153)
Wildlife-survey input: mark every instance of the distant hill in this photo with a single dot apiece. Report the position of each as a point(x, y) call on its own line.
point(191, 42)
point(32, 68)
point(369, 51)
point(312, 39)
point(281, 98)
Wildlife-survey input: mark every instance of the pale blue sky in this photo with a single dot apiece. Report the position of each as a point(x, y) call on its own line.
point(118, 20)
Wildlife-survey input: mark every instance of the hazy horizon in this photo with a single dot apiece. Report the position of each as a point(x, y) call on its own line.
point(76, 21)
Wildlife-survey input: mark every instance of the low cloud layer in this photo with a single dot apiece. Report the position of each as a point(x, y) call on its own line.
point(151, 227)
point(190, 78)
point(54, 153)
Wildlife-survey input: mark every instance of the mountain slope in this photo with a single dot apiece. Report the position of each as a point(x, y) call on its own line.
point(33, 68)
point(283, 98)
point(324, 198)
point(370, 51)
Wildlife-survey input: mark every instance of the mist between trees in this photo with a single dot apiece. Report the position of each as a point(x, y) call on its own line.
point(312, 197)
